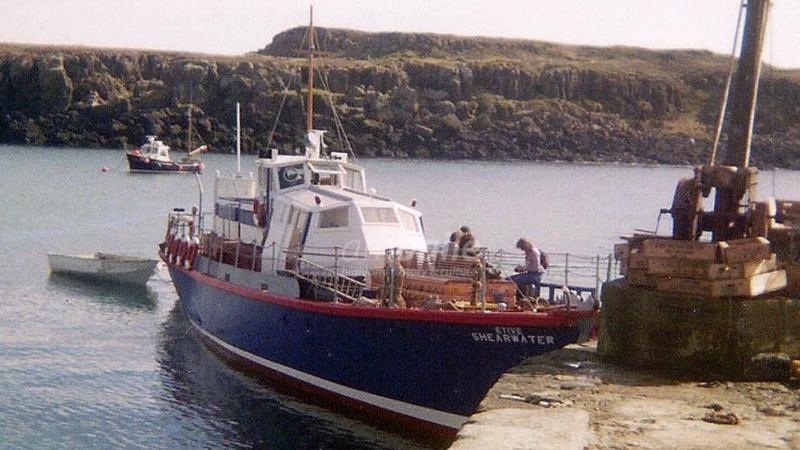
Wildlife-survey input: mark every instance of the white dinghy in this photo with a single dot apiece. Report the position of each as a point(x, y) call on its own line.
point(104, 266)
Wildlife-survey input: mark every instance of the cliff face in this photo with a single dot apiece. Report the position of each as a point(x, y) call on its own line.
point(421, 95)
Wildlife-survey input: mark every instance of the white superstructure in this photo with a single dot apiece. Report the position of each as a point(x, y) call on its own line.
point(315, 208)
point(155, 149)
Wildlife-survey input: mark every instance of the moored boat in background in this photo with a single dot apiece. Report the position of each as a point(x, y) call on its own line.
point(153, 156)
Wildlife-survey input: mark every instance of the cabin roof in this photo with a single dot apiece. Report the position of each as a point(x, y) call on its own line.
point(332, 196)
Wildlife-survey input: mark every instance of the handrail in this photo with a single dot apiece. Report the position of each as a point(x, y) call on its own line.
point(339, 280)
point(336, 249)
point(575, 271)
point(580, 273)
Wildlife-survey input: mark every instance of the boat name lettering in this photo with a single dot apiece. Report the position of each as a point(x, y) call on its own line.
point(512, 335)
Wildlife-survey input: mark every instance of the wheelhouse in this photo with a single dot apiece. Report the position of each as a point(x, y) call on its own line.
point(315, 209)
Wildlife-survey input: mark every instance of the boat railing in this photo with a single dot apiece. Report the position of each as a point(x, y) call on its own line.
point(236, 253)
point(576, 273)
point(436, 264)
point(272, 257)
point(340, 285)
point(343, 260)
point(583, 274)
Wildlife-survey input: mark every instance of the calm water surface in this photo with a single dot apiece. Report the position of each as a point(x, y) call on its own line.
point(94, 366)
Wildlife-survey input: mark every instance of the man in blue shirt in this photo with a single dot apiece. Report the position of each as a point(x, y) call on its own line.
point(531, 272)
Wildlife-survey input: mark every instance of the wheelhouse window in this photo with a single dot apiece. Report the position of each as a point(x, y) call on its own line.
point(408, 220)
point(355, 180)
point(379, 215)
point(325, 174)
point(334, 218)
point(290, 176)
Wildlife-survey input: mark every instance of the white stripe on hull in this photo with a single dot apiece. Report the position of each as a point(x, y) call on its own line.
point(407, 409)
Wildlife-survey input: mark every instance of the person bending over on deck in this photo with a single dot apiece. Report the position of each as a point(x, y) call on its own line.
point(452, 247)
point(530, 273)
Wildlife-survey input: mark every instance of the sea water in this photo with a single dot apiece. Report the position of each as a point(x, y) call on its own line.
point(85, 365)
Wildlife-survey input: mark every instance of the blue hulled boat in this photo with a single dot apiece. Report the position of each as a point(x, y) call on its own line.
point(299, 273)
point(303, 274)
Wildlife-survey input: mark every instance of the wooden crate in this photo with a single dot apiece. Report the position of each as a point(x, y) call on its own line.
point(744, 250)
point(640, 278)
point(756, 285)
point(672, 248)
point(621, 251)
point(740, 287)
point(637, 261)
point(741, 270)
point(501, 291)
point(442, 286)
point(703, 270)
point(678, 267)
point(449, 290)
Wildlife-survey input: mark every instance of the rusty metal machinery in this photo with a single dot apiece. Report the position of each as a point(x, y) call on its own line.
point(732, 221)
point(733, 180)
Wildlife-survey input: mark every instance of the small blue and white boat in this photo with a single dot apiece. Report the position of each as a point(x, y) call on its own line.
point(153, 156)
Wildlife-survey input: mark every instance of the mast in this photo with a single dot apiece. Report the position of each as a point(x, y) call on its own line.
point(238, 142)
point(310, 109)
point(189, 137)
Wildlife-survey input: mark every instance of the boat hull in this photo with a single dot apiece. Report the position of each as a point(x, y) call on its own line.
point(116, 269)
point(430, 368)
point(140, 163)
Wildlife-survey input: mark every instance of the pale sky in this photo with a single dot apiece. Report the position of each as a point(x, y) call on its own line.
point(236, 27)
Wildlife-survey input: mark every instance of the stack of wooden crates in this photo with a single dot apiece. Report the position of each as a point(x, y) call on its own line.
point(736, 268)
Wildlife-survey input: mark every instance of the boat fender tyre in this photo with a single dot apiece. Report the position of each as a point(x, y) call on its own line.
point(175, 249)
point(187, 254)
point(171, 246)
point(169, 228)
point(190, 256)
point(259, 213)
point(196, 249)
point(178, 250)
point(187, 248)
point(184, 246)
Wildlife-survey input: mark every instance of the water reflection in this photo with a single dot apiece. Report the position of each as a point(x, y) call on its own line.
point(244, 412)
point(127, 296)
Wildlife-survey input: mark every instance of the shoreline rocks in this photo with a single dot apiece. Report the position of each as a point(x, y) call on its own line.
point(397, 95)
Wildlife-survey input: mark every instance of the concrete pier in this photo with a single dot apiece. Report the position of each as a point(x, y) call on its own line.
point(574, 399)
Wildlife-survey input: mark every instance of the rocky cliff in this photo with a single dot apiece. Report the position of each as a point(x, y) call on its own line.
point(398, 95)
